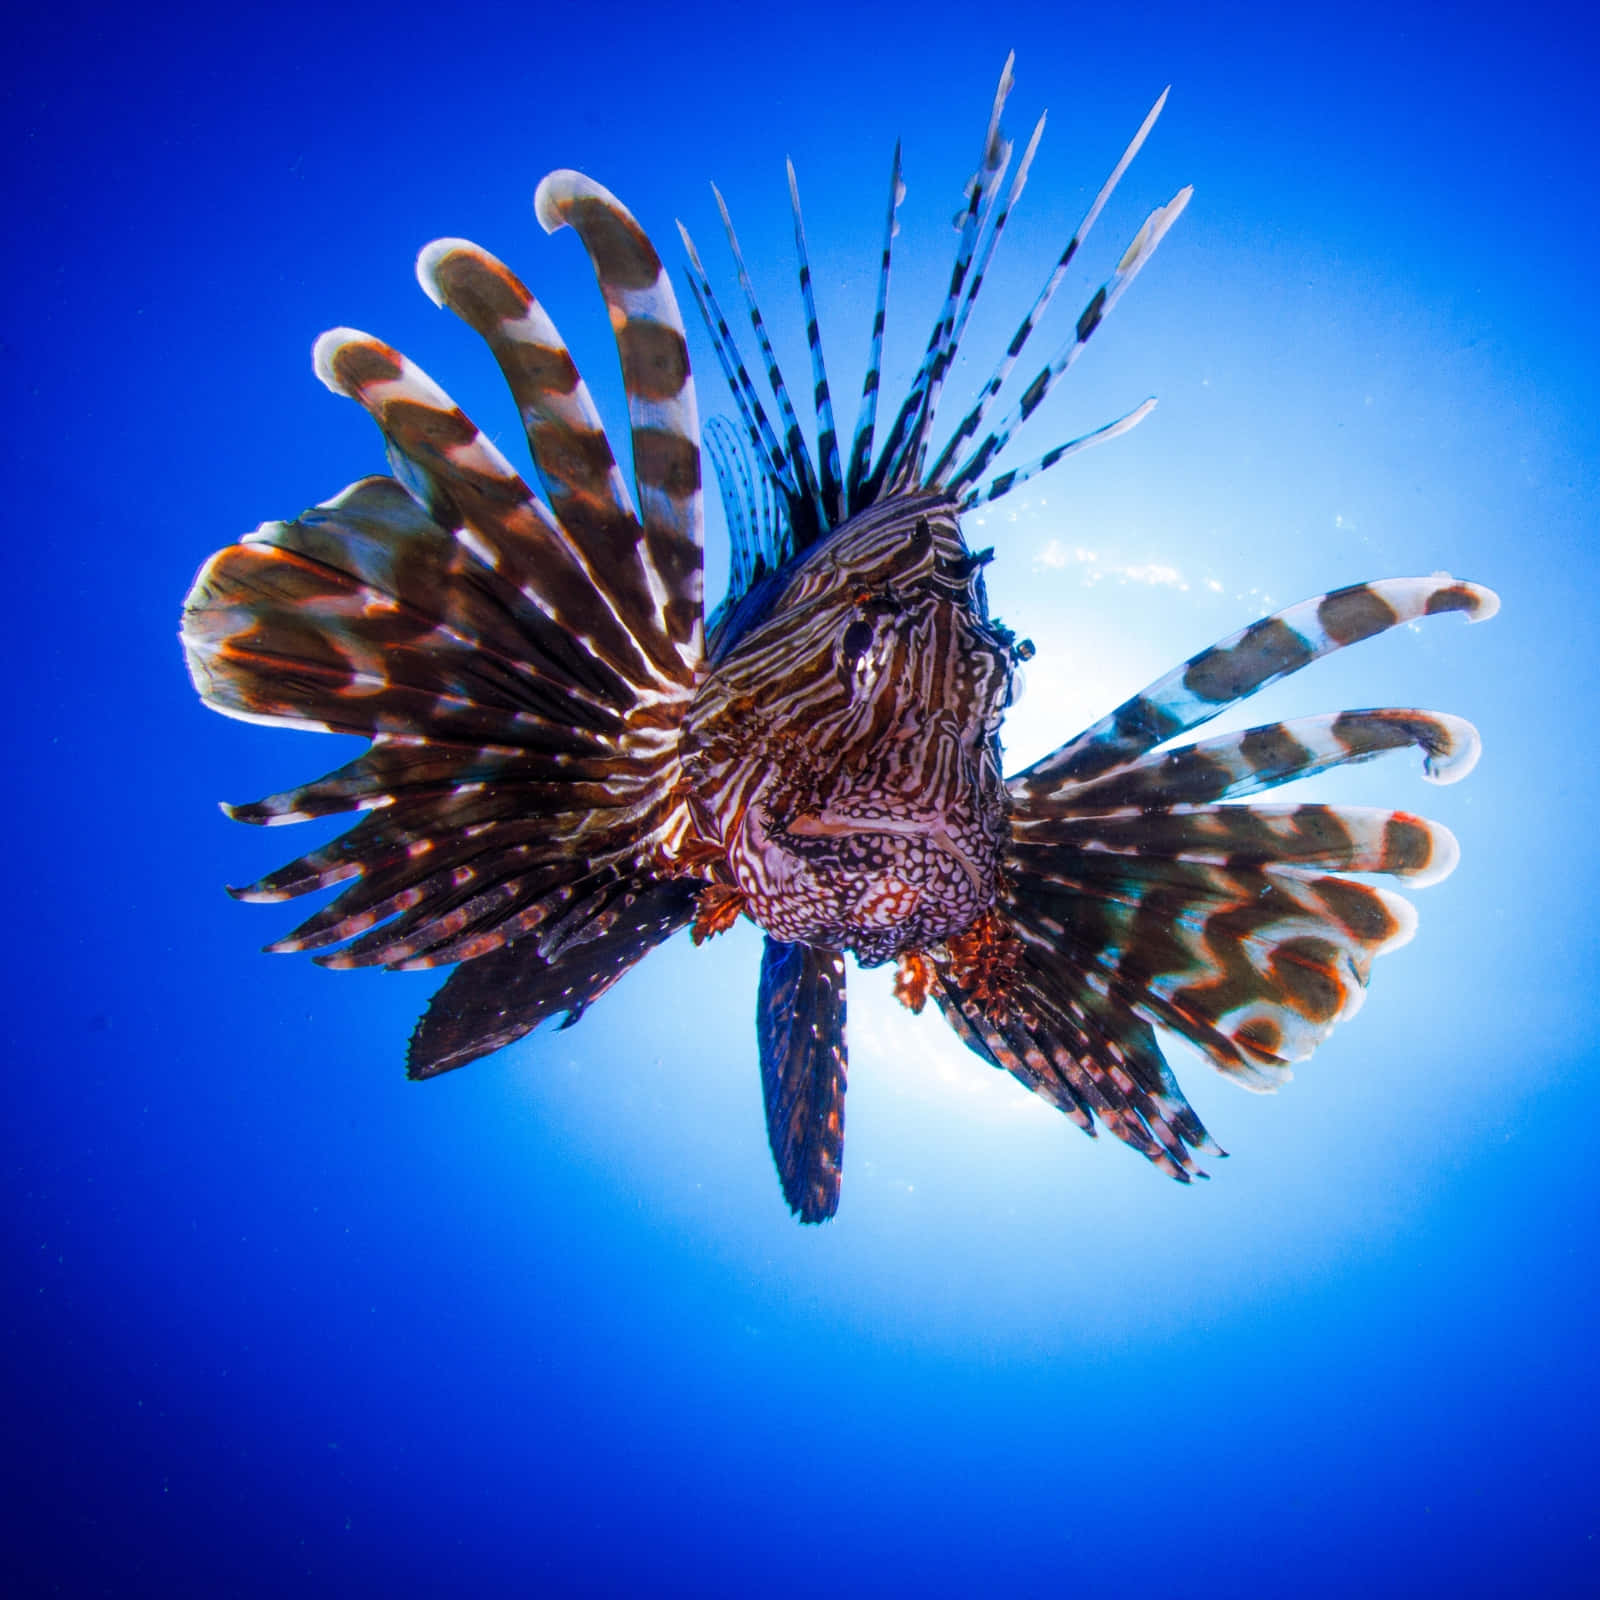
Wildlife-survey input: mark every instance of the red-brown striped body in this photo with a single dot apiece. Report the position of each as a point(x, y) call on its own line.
point(842, 750)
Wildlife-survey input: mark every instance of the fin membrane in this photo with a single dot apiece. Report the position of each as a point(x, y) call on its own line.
point(1132, 897)
point(520, 666)
point(800, 1019)
point(492, 1002)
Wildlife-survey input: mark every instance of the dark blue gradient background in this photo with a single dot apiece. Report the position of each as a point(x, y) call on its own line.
point(277, 1322)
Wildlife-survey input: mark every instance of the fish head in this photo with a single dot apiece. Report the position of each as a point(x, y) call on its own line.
point(844, 748)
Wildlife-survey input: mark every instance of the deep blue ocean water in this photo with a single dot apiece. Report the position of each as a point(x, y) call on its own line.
point(278, 1322)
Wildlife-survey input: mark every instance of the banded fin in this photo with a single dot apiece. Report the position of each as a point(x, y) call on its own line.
point(662, 408)
point(1125, 880)
point(1331, 838)
point(520, 672)
point(580, 475)
point(1082, 1050)
point(1134, 259)
point(1253, 965)
point(469, 488)
point(866, 419)
point(1249, 660)
point(970, 424)
point(365, 616)
point(576, 465)
point(495, 1000)
point(800, 1022)
point(508, 766)
point(1232, 765)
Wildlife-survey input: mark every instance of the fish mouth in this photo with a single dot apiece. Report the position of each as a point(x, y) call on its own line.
point(841, 825)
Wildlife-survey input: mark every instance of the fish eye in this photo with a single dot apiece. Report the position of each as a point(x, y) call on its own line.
point(857, 641)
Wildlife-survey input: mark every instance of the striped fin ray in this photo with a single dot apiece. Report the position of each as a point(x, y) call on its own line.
point(1083, 1051)
point(1249, 660)
point(364, 616)
point(758, 528)
point(1014, 1042)
point(457, 845)
point(403, 770)
point(762, 438)
point(495, 1000)
point(399, 911)
point(421, 848)
point(907, 443)
point(799, 455)
point(902, 449)
point(974, 418)
point(992, 232)
point(580, 474)
point(985, 254)
point(1253, 965)
point(661, 400)
point(1007, 481)
point(1134, 259)
point(738, 501)
point(479, 910)
point(832, 486)
point(468, 487)
point(866, 420)
point(1232, 765)
point(437, 877)
point(1330, 838)
point(471, 793)
point(800, 1023)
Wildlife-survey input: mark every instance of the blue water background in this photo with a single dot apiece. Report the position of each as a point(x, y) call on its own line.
point(278, 1322)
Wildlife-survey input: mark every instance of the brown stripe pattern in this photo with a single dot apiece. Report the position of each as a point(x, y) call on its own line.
point(842, 755)
point(661, 401)
point(1251, 659)
point(1133, 897)
point(520, 666)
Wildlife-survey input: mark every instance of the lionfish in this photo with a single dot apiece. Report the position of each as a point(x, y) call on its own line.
point(569, 763)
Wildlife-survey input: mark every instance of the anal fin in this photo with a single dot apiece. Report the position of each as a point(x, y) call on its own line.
point(800, 1021)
